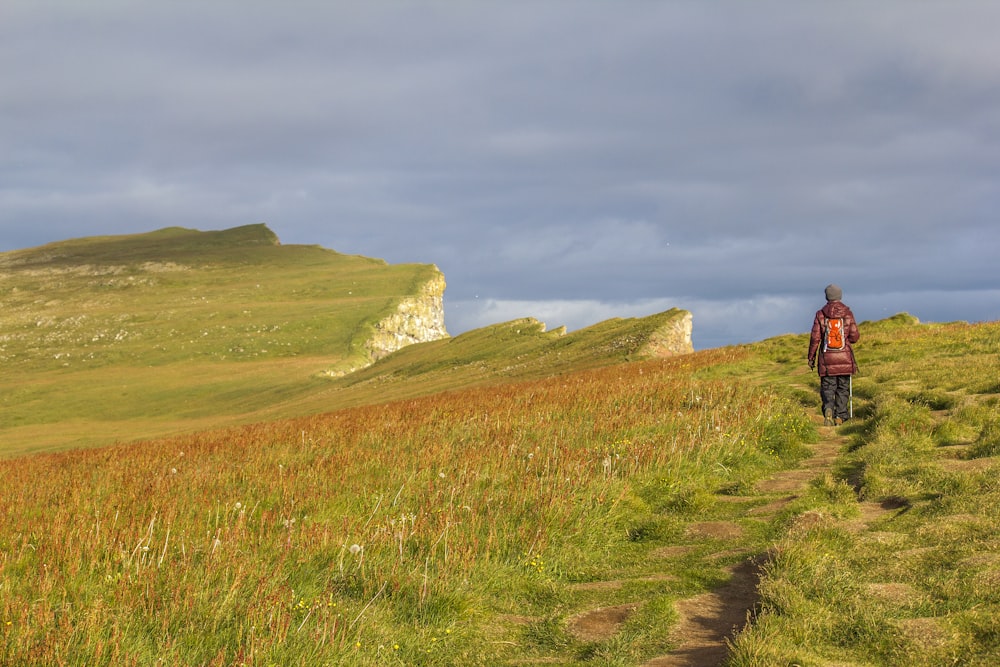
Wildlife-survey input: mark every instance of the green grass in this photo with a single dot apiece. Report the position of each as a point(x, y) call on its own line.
point(131, 336)
point(459, 502)
point(916, 587)
point(479, 518)
point(485, 518)
point(120, 338)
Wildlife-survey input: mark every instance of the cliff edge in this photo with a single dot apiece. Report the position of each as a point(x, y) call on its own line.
point(417, 319)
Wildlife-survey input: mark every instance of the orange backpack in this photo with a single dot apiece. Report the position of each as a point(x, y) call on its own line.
point(834, 337)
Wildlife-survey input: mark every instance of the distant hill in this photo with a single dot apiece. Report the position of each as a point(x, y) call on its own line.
point(516, 350)
point(185, 324)
point(129, 337)
point(179, 294)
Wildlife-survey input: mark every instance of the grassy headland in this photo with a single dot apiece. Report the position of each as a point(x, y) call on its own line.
point(471, 526)
point(466, 501)
point(116, 338)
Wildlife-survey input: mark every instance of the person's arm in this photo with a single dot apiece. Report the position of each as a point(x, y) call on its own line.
point(853, 335)
point(814, 338)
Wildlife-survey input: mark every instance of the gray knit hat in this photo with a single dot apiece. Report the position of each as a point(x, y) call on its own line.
point(834, 293)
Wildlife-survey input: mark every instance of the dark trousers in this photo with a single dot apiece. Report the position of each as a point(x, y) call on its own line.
point(835, 390)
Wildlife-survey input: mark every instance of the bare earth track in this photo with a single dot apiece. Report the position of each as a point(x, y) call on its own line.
point(709, 620)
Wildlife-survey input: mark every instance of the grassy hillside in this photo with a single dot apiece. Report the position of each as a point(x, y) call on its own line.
point(892, 557)
point(121, 337)
point(478, 526)
point(509, 351)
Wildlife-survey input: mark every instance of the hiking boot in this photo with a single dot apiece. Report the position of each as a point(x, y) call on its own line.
point(838, 421)
point(828, 417)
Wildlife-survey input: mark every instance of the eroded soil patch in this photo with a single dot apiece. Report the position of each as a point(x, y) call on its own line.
point(600, 624)
point(709, 619)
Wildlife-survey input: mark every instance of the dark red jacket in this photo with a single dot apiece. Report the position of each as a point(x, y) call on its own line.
point(834, 362)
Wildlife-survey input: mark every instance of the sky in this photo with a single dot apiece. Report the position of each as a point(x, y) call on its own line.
point(568, 160)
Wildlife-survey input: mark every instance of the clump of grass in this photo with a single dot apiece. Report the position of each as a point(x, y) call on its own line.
point(954, 432)
point(987, 386)
point(785, 434)
point(935, 400)
point(988, 441)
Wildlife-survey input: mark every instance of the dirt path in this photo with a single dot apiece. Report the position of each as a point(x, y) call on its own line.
point(709, 620)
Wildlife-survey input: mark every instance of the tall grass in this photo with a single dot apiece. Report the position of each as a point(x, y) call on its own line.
point(468, 527)
point(407, 532)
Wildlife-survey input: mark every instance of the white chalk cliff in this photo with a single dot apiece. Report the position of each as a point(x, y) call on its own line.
point(417, 319)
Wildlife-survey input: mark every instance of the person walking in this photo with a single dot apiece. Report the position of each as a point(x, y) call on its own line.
point(834, 331)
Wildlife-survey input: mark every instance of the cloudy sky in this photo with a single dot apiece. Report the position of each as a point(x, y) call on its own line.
point(567, 160)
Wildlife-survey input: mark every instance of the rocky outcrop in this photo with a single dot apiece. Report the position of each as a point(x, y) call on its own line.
point(417, 319)
point(672, 337)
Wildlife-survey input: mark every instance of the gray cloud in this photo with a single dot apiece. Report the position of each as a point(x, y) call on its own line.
point(576, 160)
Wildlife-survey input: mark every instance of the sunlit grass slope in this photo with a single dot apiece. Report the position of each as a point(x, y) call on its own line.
point(471, 526)
point(128, 336)
point(893, 559)
point(118, 338)
point(462, 501)
point(456, 528)
point(509, 351)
